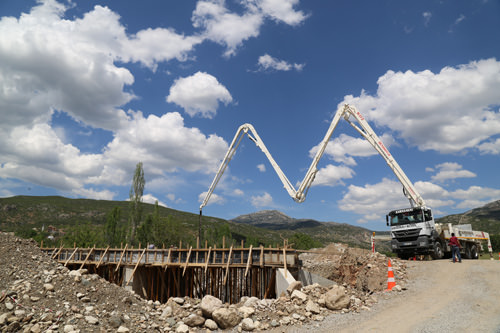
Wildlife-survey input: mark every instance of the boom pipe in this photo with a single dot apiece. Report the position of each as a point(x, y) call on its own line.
point(300, 194)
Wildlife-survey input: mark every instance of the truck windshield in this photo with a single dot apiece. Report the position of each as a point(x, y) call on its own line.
point(406, 216)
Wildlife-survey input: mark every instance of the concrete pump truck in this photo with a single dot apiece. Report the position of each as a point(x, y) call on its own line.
point(413, 230)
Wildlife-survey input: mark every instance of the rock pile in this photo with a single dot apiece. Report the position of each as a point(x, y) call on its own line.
point(40, 295)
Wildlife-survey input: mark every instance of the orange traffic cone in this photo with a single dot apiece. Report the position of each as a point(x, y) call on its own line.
point(391, 283)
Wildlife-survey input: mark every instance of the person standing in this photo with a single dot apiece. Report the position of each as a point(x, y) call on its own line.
point(455, 248)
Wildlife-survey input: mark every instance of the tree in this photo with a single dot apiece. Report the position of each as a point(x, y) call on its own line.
point(495, 242)
point(303, 241)
point(112, 231)
point(136, 192)
point(145, 231)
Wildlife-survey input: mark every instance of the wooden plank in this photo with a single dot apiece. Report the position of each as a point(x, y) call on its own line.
point(71, 256)
point(261, 256)
point(136, 265)
point(249, 260)
point(187, 260)
point(121, 258)
point(208, 258)
point(102, 257)
point(284, 260)
point(168, 259)
point(87, 258)
point(54, 254)
point(227, 266)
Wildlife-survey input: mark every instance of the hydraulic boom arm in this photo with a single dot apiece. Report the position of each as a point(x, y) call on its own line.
point(300, 194)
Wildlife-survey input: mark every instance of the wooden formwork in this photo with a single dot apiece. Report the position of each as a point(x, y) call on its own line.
point(157, 274)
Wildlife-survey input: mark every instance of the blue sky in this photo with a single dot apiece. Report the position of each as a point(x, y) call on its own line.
point(90, 88)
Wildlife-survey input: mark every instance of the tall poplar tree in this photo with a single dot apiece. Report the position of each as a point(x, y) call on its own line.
point(136, 192)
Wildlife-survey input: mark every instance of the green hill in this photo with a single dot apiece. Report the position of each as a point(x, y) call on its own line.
point(59, 220)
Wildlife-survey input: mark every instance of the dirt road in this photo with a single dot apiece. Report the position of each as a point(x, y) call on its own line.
point(441, 297)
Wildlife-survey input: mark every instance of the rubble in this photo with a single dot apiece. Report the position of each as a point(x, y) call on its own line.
point(39, 295)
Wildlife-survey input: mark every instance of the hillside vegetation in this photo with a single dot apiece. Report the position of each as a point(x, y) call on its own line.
point(85, 222)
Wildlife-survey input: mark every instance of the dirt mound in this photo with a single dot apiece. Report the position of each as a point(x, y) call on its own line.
point(359, 268)
point(39, 295)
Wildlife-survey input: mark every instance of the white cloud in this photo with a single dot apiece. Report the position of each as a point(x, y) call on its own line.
point(261, 167)
point(451, 170)
point(199, 94)
point(281, 10)
point(427, 17)
point(164, 144)
point(151, 46)
point(446, 112)
point(265, 200)
point(151, 199)
point(232, 29)
point(332, 175)
point(266, 62)
point(373, 201)
point(215, 199)
point(342, 148)
point(456, 23)
point(224, 27)
point(477, 193)
point(237, 192)
point(53, 63)
point(490, 147)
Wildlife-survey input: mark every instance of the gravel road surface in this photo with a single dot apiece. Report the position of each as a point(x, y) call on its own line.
point(442, 297)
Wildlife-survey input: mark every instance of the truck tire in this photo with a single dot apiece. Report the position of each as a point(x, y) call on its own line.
point(403, 256)
point(438, 251)
point(467, 254)
point(473, 252)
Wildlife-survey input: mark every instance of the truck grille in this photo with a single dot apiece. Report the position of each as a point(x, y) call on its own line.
point(407, 235)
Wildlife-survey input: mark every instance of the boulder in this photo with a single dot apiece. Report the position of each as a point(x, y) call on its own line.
point(247, 324)
point(336, 298)
point(208, 304)
point(211, 325)
point(193, 320)
point(297, 294)
point(295, 285)
point(226, 318)
point(312, 307)
point(246, 311)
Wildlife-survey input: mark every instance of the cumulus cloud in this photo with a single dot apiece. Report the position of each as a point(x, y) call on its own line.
point(266, 62)
point(451, 170)
point(265, 200)
point(225, 27)
point(447, 112)
point(215, 199)
point(261, 167)
point(231, 29)
point(199, 94)
point(164, 144)
point(373, 201)
point(332, 175)
point(342, 148)
point(281, 11)
point(491, 147)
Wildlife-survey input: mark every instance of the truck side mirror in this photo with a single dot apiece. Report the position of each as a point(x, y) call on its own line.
point(387, 220)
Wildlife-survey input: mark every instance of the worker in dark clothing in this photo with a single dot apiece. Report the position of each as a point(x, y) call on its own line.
point(455, 248)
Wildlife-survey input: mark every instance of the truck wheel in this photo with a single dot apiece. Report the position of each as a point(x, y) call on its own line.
point(403, 256)
point(438, 251)
point(473, 252)
point(467, 253)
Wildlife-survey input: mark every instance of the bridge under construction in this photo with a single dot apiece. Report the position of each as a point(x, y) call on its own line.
point(227, 273)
